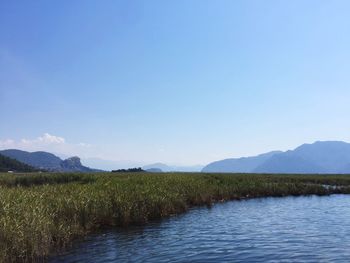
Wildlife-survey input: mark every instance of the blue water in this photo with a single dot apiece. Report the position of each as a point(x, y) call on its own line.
point(289, 229)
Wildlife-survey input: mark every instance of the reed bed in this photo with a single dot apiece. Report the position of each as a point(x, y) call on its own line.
point(40, 214)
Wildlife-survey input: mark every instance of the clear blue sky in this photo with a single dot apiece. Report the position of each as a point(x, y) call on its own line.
point(182, 82)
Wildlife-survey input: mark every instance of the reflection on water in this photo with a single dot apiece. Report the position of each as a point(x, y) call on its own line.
point(289, 229)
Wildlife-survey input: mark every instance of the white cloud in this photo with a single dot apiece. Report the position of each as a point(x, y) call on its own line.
point(47, 142)
point(6, 143)
point(45, 139)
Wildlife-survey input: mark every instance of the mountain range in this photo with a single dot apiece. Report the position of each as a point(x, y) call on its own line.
point(323, 157)
point(47, 161)
point(320, 157)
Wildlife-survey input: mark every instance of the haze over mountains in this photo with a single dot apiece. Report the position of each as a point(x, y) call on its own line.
point(318, 157)
point(167, 168)
point(239, 165)
point(326, 157)
point(109, 165)
point(51, 162)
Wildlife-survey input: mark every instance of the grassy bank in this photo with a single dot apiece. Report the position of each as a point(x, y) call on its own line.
point(42, 213)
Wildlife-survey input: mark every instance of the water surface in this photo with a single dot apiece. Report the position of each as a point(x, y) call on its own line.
point(289, 229)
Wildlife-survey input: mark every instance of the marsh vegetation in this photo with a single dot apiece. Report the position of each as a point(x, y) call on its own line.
point(40, 214)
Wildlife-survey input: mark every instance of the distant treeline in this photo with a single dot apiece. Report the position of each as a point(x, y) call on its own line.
point(130, 170)
point(9, 164)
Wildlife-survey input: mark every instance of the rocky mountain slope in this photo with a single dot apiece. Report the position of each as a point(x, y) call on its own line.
point(47, 161)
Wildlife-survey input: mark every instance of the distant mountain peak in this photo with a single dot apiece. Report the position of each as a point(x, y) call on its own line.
point(71, 163)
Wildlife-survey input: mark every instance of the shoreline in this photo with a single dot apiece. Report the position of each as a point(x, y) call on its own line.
point(45, 216)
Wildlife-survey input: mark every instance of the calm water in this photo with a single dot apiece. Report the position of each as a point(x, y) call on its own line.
point(290, 229)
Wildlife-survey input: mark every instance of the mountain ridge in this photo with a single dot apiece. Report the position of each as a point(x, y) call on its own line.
point(239, 165)
point(324, 157)
point(47, 161)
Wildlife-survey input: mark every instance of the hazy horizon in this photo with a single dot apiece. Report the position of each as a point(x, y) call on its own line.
point(182, 83)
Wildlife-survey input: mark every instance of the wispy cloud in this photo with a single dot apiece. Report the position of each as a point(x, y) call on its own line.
point(44, 140)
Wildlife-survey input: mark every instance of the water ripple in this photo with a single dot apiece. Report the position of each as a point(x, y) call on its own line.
point(289, 229)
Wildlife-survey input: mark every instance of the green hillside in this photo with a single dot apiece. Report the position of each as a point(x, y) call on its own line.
point(8, 164)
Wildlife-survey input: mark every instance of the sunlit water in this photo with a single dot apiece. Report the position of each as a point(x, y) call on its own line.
point(289, 229)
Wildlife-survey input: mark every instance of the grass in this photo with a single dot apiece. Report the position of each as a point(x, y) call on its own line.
point(27, 180)
point(40, 214)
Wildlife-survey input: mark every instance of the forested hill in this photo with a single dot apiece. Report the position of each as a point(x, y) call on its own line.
point(9, 164)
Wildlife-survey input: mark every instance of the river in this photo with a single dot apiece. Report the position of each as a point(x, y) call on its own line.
point(288, 229)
